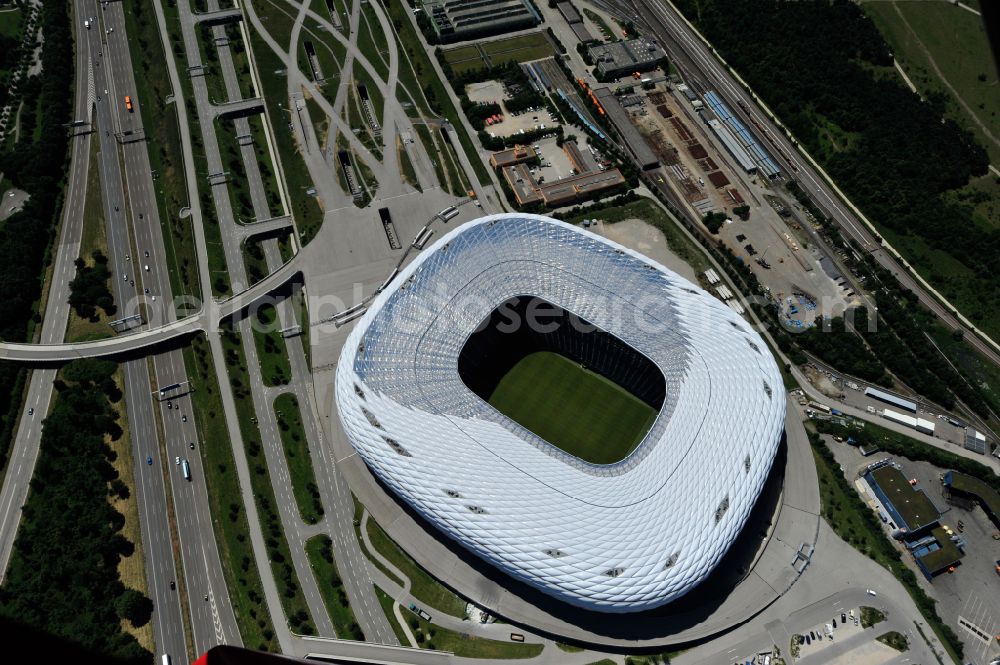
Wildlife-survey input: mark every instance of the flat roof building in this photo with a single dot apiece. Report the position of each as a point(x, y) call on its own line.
point(920, 424)
point(458, 20)
point(889, 398)
point(510, 156)
point(619, 59)
point(967, 486)
point(975, 441)
point(620, 118)
point(908, 508)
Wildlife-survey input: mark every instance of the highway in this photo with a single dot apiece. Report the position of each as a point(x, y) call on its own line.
point(703, 71)
point(211, 616)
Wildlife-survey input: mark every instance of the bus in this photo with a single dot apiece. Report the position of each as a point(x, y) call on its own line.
point(186, 469)
point(822, 408)
point(164, 659)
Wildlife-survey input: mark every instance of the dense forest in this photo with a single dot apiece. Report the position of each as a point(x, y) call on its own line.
point(63, 577)
point(38, 167)
point(819, 66)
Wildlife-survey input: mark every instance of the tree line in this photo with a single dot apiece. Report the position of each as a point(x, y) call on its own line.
point(38, 167)
point(819, 66)
point(63, 576)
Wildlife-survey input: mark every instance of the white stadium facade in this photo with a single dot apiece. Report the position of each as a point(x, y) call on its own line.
point(623, 537)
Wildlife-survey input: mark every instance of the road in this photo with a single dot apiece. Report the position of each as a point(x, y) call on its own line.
point(212, 620)
point(24, 450)
point(703, 71)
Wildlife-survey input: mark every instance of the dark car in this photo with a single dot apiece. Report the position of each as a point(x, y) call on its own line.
point(843, 617)
point(149, 461)
point(173, 585)
point(192, 445)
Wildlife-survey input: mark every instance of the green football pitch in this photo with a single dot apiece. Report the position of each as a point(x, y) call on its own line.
point(573, 408)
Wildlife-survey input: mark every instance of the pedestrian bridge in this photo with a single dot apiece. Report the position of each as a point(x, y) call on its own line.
point(206, 318)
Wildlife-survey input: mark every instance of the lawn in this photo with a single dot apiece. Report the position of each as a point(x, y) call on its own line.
point(331, 587)
point(226, 503)
point(163, 133)
point(974, 366)
point(894, 639)
point(306, 208)
point(292, 599)
point(572, 408)
point(92, 238)
point(532, 46)
point(293, 439)
point(271, 352)
point(463, 645)
point(424, 588)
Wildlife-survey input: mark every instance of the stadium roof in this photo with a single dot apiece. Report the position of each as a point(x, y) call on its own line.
point(622, 537)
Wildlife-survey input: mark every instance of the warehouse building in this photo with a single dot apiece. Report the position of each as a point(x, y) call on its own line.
point(620, 118)
point(969, 487)
point(889, 398)
point(976, 441)
point(619, 59)
point(733, 147)
point(906, 507)
point(922, 425)
point(575, 21)
point(458, 20)
point(913, 519)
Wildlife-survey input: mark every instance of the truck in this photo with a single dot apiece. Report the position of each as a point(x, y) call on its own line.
point(128, 103)
point(186, 469)
point(419, 612)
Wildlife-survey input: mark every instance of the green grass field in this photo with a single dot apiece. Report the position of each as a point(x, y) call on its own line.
point(573, 408)
point(523, 48)
point(944, 49)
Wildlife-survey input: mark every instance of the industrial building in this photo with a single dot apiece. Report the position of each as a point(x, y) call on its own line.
point(619, 59)
point(733, 147)
point(889, 398)
point(913, 519)
point(458, 20)
point(760, 156)
point(619, 117)
point(974, 489)
point(976, 441)
point(922, 425)
point(575, 21)
point(622, 537)
point(510, 156)
point(587, 180)
point(558, 192)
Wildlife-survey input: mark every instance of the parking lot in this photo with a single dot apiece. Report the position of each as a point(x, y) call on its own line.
point(493, 92)
point(969, 598)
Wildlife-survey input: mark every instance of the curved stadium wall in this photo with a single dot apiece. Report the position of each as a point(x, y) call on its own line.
point(411, 392)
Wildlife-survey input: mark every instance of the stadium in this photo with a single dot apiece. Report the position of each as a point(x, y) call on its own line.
point(577, 416)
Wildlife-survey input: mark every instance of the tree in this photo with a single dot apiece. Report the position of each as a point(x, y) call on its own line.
point(135, 607)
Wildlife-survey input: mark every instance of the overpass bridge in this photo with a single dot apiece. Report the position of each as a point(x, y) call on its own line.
point(219, 16)
point(238, 109)
point(206, 318)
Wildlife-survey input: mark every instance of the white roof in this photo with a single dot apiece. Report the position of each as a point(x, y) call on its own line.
point(617, 538)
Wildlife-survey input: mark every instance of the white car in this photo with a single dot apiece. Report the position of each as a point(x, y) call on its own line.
point(871, 592)
point(177, 460)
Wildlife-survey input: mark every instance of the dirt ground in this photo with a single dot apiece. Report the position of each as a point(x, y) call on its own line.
point(643, 237)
